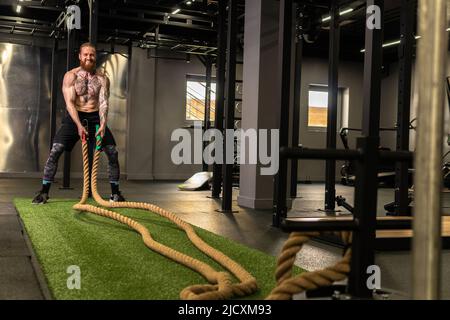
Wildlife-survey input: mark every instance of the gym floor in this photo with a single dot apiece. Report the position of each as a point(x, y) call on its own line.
point(250, 227)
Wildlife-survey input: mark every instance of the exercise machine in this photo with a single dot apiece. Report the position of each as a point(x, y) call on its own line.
point(391, 207)
point(386, 170)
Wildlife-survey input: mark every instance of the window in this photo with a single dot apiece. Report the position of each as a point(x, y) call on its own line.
point(318, 107)
point(195, 99)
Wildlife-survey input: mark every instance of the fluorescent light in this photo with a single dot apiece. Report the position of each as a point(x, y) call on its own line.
point(176, 11)
point(390, 44)
point(18, 9)
point(346, 11)
point(393, 43)
point(340, 13)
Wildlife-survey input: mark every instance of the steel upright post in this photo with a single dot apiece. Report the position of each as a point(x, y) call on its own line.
point(284, 78)
point(431, 66)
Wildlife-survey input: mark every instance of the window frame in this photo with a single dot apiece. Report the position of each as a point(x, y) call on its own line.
point(342, 91)
point(195, 78)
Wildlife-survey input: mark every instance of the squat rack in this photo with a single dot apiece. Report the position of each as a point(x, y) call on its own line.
point(367, 155)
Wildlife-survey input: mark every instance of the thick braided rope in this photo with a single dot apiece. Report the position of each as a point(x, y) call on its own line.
point(221, 287)
point(287, 286)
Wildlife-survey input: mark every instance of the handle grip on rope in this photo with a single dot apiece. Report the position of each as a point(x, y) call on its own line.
point(98, 139)
point(84, 137)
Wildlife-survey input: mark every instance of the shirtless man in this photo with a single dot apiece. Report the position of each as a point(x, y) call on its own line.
point(86, 92)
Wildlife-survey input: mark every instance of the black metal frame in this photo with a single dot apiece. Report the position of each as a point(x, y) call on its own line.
point(72, 47)
point(367, 155)
point(230, 93)
point(297, 96)
point(93, 21)
point(53, 90)
point(366, 189)
point(220, 89)
point(146, 19)
point(207, 120)
point(154, 17)
point(330, 171)
point(406, 49)
point(284, 63)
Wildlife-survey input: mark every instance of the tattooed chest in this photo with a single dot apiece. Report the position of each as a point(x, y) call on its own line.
point(87, 88)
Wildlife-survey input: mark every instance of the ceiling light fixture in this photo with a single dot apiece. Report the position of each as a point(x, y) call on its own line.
point(340, 13)
point(176, 11)
point(18, 9)
point(394, 43)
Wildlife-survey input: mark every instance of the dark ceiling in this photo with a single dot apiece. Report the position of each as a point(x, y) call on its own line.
point(353, 29)
point(151, 23)
point(137, 22)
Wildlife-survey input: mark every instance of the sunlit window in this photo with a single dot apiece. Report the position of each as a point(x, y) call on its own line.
point(317, 108)
point(195, 100)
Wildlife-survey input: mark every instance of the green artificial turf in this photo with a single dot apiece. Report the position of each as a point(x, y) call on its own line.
point(113, 260)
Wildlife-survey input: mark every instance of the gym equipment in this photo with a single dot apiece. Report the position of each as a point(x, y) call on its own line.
point(446, 170)
point(386, 170)
point(446, 166)
point(221, 287)
point(199, 181)
point(391, 207)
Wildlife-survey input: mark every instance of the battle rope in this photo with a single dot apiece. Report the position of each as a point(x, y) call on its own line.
point(221, 286)
point(288, 286)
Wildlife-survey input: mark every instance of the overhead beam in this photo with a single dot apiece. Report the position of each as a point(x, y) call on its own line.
point(25, 39)
point(32, 5)
point(162, 14)
point(156, 21)
point(25, 20)
point(166, 9)
point(25, 26)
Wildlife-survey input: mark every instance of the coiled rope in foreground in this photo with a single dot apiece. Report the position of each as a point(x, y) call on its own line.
point(220, 287)
point(288, 286)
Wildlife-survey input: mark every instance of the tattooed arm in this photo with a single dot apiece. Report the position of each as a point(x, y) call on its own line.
point(103, 104)
point(70, 97)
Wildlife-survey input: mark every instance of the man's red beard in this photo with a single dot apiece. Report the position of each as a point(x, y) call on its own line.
point(88, 67)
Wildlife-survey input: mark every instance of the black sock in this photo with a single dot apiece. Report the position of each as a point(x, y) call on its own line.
point(114, 187)
point(46, 186)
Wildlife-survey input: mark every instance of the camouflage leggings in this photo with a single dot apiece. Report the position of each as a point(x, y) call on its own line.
point(57, 149)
